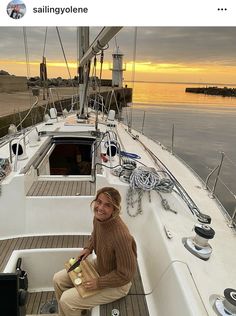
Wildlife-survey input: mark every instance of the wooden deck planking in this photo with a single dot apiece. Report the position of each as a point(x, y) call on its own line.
point(134, 304)
point(61, 188)
point(46, 188)
point(75, 188)
point(30, 303)
point(37, 300)
point(58, 241)
point(136, 294)
point(52, 186)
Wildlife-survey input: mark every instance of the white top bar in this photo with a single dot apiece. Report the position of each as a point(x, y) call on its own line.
point(122, 12)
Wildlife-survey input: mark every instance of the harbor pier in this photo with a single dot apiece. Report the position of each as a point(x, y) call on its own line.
point(15, 106)
point(224, 92)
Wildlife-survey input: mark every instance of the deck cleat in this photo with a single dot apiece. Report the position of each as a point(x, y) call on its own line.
point(198, 245)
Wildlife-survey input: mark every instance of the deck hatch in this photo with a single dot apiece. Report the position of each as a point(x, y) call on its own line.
point(68, 156)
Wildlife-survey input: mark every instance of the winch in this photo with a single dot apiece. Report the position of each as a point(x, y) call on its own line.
point(226, 306)
point(198, 245)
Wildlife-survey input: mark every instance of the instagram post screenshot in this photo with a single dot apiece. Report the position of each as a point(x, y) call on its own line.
point(117, 158)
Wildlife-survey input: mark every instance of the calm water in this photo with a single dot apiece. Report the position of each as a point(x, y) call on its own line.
point(204, 126)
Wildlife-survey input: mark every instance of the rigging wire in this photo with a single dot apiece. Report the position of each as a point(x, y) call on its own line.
point(77, 69)
point(63, 51)
point(26, 52)
point(45, 39)
point(227, 187)
point(28, 76)
point(28, 113)
point(77, 48)
point(133, 75)
point(230, 160)
point(43, 69)
point(99, 85)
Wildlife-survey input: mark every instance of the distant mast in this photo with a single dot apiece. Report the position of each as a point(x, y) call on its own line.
point(117, 69)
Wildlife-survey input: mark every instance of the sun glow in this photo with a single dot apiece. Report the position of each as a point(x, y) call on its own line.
point(144, 70)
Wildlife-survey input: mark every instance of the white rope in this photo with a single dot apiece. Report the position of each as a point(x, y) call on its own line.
point(148, 179)
point(144, 179)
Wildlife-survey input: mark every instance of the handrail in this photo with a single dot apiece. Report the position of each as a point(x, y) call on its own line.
point(208, 177)
point(218, 167)
point(203, 218)
point(217, 176)
point(47, 155)
point(232, 221)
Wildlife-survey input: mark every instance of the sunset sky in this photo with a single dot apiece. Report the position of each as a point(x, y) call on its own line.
point(169, 54)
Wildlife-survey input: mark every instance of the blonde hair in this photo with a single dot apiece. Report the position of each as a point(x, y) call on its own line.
point(114, 197)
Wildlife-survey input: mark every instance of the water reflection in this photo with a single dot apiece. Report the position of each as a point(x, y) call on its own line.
point(204, 126)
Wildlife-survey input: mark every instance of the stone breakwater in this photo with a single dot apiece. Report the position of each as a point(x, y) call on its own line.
point(225, 92)
point(18, 105)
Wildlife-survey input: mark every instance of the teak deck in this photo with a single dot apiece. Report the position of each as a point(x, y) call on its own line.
point(134, 304)
point(62, 188)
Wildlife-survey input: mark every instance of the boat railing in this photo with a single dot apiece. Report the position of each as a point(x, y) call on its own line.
point(218, 169)
point(215, 171)
point(213, 177)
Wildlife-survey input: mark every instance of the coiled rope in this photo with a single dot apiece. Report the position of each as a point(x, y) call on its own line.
point(148, 179)
point(144, 179)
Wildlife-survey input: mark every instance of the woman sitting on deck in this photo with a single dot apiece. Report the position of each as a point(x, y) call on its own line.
point(116, 258)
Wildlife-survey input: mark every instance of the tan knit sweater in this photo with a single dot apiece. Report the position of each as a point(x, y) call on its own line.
point(116, 252)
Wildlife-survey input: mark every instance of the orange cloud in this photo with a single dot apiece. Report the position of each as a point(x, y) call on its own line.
point(146, 71)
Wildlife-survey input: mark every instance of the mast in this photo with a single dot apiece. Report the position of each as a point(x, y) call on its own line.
point(83, 74)
point(86, 53)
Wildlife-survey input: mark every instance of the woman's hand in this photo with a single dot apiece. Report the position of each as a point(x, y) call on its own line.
point(90, 284)
point(85, 253)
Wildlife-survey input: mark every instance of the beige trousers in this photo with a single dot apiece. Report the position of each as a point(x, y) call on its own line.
point(70, 303)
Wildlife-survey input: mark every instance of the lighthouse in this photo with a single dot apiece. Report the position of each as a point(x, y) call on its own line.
point(117, 69)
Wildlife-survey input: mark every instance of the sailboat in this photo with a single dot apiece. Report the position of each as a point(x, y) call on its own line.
point(49, 176)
